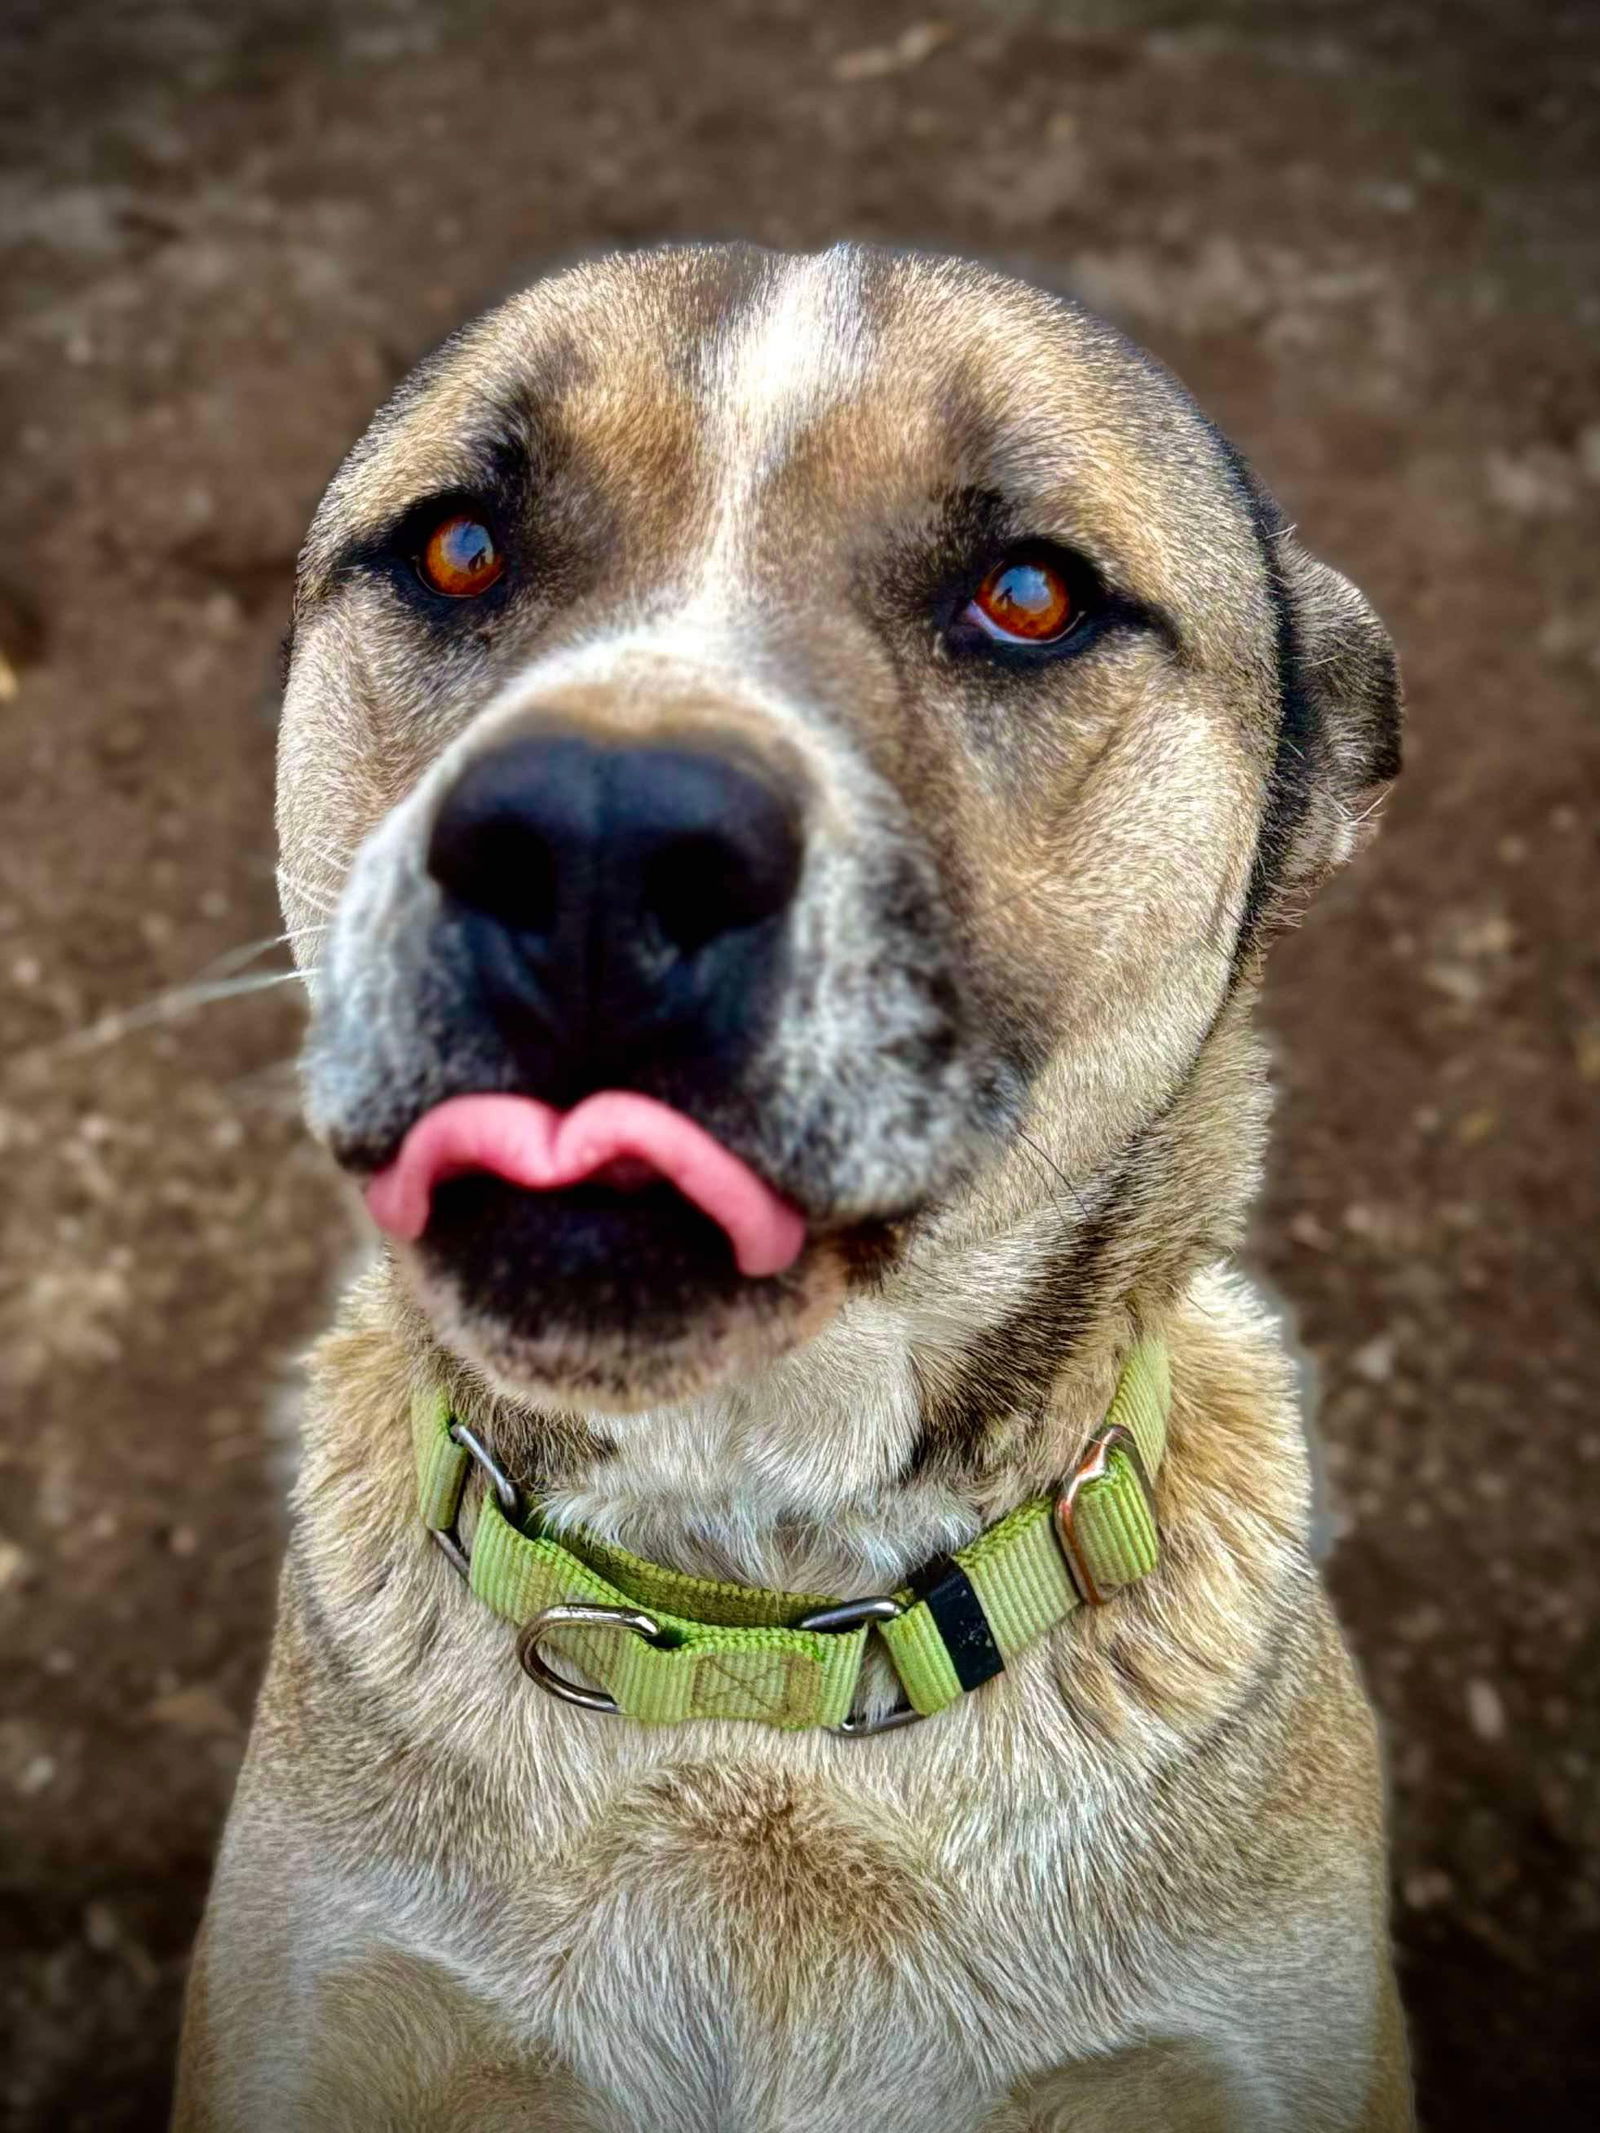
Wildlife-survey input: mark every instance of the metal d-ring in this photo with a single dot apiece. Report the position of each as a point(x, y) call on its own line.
point(447, 1538)
point(584, 1615)
point(850, 1614)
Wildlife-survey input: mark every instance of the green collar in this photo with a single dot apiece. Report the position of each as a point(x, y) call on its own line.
point(665, 1646)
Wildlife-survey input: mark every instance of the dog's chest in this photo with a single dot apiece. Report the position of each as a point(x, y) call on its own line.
point(759, 1949)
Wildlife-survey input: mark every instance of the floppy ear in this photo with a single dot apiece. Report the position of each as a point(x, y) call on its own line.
point(1339, 725)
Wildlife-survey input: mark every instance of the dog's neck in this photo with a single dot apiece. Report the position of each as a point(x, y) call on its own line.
point(963, 1380)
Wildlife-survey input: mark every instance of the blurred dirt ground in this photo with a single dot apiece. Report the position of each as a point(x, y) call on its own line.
point(1368, 237)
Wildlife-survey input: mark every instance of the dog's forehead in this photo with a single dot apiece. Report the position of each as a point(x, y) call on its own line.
point(724, 384)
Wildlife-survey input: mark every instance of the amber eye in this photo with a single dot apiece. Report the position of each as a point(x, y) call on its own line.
point(1023, 603)
point(461, 558)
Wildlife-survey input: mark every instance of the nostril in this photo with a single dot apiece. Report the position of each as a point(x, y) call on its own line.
point(490, 858)
point(504, 871)
point(699, 886)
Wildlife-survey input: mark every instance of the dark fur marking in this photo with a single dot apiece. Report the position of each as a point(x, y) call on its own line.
point(536, 1447)
point(1012, 1368)
point(1303, 750)
point(1300, 739)
point(316, 1625)
point(869, 1251)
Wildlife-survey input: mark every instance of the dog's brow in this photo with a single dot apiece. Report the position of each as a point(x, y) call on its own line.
point(495, 464)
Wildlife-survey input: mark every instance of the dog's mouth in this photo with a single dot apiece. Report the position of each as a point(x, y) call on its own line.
point(617, 1251)
point(616, 1147)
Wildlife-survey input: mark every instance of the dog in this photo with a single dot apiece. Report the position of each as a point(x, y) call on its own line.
point(790, 766)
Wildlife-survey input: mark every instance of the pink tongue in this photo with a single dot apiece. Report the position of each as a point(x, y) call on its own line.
point(528, 1144)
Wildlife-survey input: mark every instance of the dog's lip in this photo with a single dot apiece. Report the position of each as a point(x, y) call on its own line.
point(616, 1137)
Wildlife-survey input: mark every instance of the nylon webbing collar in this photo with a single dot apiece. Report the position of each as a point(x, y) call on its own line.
point(666, 1646)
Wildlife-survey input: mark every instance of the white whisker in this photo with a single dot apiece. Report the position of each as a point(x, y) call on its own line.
point(296, 886)
point(337, 862)
point(165, 1007)
point(234, 959)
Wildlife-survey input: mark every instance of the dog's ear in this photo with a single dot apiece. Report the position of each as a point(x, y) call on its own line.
point(1339, 725)
point(1346, 663)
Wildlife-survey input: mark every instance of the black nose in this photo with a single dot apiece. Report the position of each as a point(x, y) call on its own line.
point(613, 897)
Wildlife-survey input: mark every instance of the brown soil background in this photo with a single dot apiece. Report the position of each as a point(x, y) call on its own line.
point(1368, 237)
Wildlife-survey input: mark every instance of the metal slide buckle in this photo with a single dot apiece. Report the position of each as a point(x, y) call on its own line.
point(505, 1493)
point(1094, 1466)
point(850, 1614)
point(587, 1615)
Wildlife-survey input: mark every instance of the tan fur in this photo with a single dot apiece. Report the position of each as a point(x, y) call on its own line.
point(1138, 1879)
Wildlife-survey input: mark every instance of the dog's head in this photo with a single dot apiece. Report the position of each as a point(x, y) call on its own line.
point(752, 720)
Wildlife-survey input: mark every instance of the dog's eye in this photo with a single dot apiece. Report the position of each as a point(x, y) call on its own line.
point(460, 558)
point(1023, 603)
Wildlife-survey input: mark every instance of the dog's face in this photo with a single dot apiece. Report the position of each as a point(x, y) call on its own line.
point(832, 698)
